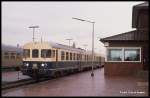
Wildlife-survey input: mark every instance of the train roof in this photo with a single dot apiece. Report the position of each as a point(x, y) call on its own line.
point(52, 45)
point(46, 45)
point(56, 45)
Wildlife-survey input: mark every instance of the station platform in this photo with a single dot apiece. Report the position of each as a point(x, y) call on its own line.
point(82, 84)
point(12, 76)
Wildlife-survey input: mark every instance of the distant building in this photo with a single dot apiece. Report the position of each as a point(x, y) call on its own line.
point(11, 56)
point(128, 53)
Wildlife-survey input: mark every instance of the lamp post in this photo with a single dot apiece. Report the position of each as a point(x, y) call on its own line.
point(92, 74)
point(33, 27)
point(69, 41)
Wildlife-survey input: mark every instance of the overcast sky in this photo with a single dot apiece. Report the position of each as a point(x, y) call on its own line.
point(56, 23)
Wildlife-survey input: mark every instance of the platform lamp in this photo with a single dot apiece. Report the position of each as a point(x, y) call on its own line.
point(92, 74)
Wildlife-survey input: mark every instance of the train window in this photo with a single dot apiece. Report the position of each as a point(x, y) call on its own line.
point(80, 57)
point(13, 54)
point(99, 59)
point(87, 57)
point(49, 53)
point(12, 57)
point(6, 57)
point(45, 53)
point(70, 56)
point(35, 53)
point(74, 56)
point(90, 58)
point(67, 56)
point(6, 53)
point(53, 54)
point(26, 52)
point(62, 55)
point(77, 56)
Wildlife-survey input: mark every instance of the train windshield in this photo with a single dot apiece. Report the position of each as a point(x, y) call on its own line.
point(35, 53)
point(46, 53)
point(26, 53)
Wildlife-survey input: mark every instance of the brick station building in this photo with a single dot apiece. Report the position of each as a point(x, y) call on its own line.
point(128, 53)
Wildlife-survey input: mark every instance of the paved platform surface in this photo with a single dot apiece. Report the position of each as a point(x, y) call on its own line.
point(12, 76)
point(82, 84)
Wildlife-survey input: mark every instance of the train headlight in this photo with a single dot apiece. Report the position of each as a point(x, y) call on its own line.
point(26, 64)
point(42, 65)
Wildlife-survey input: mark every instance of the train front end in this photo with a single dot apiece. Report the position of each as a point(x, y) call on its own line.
point(36, 64)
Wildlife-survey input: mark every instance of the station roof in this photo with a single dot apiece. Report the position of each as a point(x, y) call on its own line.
point(135, 12)
point(135, 35)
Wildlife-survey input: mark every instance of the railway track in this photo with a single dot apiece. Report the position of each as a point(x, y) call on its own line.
point(21, 83)
point(17, 83)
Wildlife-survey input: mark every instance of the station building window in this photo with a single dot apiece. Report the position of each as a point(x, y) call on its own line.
point(26, 53)
point(45, 53)
point(35, 53)
point(114, 55)
point(132, 54)
point(124, 54)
